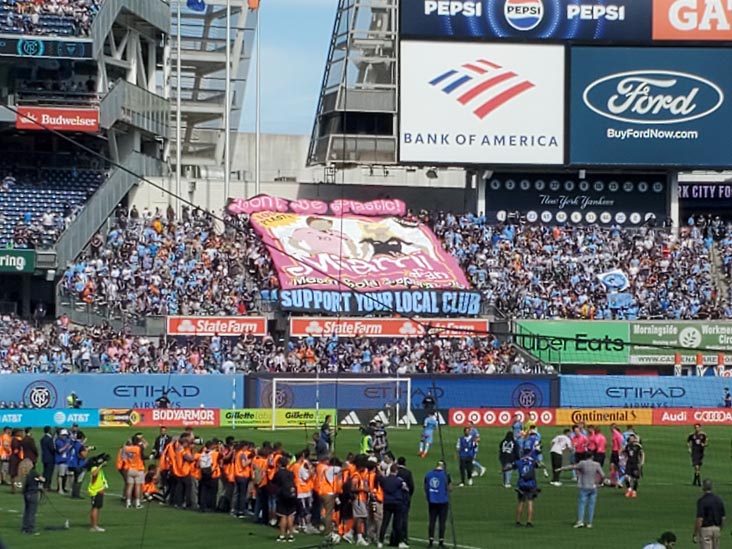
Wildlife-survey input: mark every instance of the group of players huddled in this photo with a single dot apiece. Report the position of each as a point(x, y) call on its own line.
point(311, 490)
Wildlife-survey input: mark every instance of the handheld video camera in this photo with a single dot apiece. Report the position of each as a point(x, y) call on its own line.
point(97, 461)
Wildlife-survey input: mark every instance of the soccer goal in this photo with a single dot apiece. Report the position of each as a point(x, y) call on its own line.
point(389, 398)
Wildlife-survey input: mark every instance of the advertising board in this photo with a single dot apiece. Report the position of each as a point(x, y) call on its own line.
point(493, 417)
point(52, 417)
point(581, 20)
point(57, 118)
point(642, 391)
point(466, 103)
point(650, 106)
point(699, 20)
point(262, 417)
point(386, 327)
point(604, 416)
point(17, 261)
point(224, 326)
point(124, 391)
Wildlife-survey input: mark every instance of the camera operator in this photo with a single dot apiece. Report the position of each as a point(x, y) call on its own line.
point(73, 401)
point(97, 485)
point(135, 460)
point(163, 402)
point(32, 488)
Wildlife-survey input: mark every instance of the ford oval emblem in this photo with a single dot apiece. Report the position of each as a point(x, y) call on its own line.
point(653, 97)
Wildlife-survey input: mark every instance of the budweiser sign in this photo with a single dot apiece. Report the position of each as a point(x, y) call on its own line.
point(207, 326)
point(386, 327)
point(65, 120)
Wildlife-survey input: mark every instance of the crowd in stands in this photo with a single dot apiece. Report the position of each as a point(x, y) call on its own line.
point(544, 271)
point(60, 347)
point(48, 17)
point(151, 263)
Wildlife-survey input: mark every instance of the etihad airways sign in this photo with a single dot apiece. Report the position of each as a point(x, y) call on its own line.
point(59, 119)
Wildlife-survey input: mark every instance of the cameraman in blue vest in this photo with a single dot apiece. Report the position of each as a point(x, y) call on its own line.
point(437, 487)
point(467, 449)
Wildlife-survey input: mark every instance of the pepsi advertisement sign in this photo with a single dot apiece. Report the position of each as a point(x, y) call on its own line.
point(581, 20)
point(650, 107)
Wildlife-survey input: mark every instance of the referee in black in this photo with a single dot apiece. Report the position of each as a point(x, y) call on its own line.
point(709, 518)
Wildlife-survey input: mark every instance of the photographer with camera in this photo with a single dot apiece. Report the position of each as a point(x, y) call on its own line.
point(32, 489)
point(97, 485)
point(76, 463)
point(135, 461)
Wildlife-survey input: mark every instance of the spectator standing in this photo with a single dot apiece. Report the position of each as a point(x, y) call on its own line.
point(48, 455)
point(437, 487)
point(589, 476)
point(710, 514)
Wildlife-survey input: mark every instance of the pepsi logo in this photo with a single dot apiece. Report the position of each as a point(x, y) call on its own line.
point(523, 15)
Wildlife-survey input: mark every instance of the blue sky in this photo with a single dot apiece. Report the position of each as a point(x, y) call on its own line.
point(295, 39)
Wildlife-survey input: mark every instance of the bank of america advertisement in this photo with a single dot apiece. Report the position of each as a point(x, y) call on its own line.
point(466, 103)
point(589, 20)
point(651, 107)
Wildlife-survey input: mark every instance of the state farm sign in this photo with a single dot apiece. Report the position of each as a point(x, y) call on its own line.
point(692, 20)
point(386, 327)
point(65, 120)
point(224, 326)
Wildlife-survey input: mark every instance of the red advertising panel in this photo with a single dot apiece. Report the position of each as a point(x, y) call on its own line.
point(386, 327)
point(224, 326)
point(690, 416)
point(64, 120)
point(692, 20)
point(178, 417)
point(492, 417)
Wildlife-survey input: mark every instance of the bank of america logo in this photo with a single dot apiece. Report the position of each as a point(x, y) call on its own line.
point(482, 85)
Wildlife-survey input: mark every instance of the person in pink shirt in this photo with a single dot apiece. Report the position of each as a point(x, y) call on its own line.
point(616, 448)
point(579, 444)
point(598, 444)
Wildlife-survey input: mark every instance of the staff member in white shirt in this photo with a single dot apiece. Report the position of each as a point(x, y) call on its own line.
point(560, 444)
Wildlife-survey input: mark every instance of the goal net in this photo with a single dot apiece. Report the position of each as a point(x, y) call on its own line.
point(389, 399)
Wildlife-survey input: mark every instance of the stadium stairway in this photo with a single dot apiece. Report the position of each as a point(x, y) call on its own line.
point(153, 12)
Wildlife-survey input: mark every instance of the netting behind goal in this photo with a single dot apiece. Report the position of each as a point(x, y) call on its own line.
point(389, 397)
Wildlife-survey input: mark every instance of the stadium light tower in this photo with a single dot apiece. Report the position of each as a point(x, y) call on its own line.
point(359, 88)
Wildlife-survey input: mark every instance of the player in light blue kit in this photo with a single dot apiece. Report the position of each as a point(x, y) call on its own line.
point(478, 469)
point(430, 426)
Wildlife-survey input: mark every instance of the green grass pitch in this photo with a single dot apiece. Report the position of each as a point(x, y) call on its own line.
point(483, 513)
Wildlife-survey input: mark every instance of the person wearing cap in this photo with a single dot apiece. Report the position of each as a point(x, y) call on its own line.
point(666, 541)
point(63, 449)
point(709, 518)
point(437, 487)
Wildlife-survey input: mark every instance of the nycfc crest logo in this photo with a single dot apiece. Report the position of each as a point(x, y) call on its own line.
point(526, 395)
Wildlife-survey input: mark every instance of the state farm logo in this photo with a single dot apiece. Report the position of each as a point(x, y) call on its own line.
point(653, 97)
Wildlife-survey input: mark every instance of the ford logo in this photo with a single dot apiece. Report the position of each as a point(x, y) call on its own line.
point(653, 97)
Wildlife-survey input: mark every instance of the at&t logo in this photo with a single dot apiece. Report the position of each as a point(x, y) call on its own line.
point(523, 15)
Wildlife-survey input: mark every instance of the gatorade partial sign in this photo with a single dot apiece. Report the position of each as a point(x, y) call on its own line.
point(692, 20)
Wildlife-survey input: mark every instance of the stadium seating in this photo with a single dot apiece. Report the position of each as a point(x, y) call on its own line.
point(48, 18)
point(37, 193)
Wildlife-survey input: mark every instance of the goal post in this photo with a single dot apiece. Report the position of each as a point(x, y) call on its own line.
point(391, 395)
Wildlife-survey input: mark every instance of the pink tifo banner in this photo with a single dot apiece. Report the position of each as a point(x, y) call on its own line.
point(359, 252)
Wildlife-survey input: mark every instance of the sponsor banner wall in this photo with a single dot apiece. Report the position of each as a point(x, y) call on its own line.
point(304, 206)
point(711, 192)
point(604, 199)
point(60, 119)
point(604, 416)
point(358, 393)
point(124, 391)
point(621, 20)
point(178, 417)
point(692, 20)
point(574, 342)
point(46, 47)
point(691, 416)
point(17, 261)
point(386, 327)
point(686, 338)
point(52, 417)
point(262, 417)
point(487, 103)
point(224, 326)
point(491, 417)
point(650, 106)
point(642, 391)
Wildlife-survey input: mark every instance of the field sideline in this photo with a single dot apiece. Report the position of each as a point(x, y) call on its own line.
point(483, 514)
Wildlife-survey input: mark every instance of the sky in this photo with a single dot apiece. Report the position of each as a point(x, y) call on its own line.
point(295, 39)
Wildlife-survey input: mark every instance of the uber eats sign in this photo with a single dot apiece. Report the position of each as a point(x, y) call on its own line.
point(617, 342)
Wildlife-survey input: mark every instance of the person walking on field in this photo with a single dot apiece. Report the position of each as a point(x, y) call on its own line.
point(709, 518)
point(589, 477)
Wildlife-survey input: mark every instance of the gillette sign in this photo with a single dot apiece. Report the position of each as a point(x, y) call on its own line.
point(579, 20)
point(453, 7)
point(650, 107)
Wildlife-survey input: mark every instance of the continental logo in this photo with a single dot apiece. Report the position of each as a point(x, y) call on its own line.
point(605, 416)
